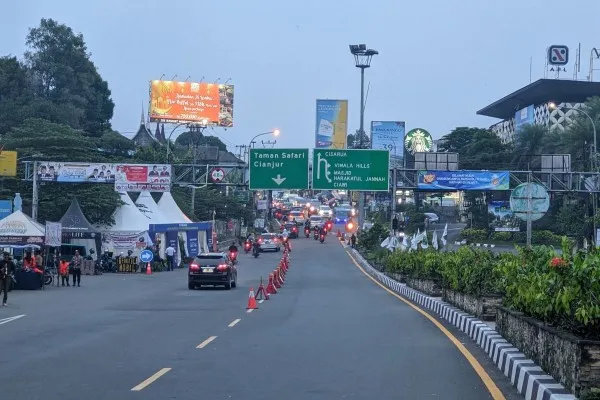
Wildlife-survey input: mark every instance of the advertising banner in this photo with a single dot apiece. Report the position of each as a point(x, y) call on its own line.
point(524, 117)
point(331, 124)
point(5, 208)
point(53, 234)
point(388, 135)
point(192, 243)
point(172, 101)
point(504, 219)
point(137, 178)
point(463, 180)
point(8, 163)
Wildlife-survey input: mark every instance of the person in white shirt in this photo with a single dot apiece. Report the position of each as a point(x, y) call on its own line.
point(285, 233)
point(170, 252)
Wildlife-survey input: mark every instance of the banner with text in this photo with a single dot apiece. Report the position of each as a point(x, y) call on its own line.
point(388, 135)
point(126, 177)
point(331, 124)
point(504, 220)
point(463, 180)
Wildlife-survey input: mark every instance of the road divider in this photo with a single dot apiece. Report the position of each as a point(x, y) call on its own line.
point(277, 279)
point(206, 342)
point(150, 380)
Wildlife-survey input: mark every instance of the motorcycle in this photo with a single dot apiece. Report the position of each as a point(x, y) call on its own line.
point(316, 235)
point(322, 238)
point(233, 257)
point(255, 251)
point(307, 232)
point(247, 246)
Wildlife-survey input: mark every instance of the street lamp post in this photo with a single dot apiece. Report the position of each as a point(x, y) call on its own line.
point(553, 106)
point(275, 133)
point(362, 60)
point(203, 124)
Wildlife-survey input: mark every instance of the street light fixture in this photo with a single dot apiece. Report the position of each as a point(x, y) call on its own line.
point(362, 60)
point(274, 132)
point(203, 124)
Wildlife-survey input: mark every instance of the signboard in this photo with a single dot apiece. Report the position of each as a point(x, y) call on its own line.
point(361, 170)
point(217, 175)
point(331, 124)
point(558, 55)
point(418, 140)
point(176, 102)
point(278, 169)
point(524, 117)
point(388, 135)
point(243, 196)
point(53, 236)
point(8, 163)
point(504, 219)
point(135, 174)
point(529, 201)
point(146, 256)
point(463, 180)
point(5, 208)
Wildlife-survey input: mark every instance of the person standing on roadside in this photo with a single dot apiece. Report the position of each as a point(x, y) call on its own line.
point(170, 252)
point(7, 268)
point(39, 260)
point(76, 264)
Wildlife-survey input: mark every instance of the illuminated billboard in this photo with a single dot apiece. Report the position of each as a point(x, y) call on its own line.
point(172, 101)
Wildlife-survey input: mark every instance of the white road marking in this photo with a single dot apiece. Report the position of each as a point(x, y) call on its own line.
point(234, 323)
point(260, 301)
point(250, 310)
point(10, 319)
point(206, 342)
point(150, 380)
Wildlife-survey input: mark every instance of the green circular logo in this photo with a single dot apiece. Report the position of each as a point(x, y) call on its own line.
point(418, 140)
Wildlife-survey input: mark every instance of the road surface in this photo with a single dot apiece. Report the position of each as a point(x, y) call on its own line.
point(331, 333)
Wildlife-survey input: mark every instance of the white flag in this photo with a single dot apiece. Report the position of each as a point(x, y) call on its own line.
point(424, 243)
point(434, 239)
point(445, 234)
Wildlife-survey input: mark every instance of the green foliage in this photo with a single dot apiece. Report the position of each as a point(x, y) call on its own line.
point(472, 235)
point(16, 93)
point(471, 271)
point(372, 238)
point(478, 148)
point(193, 138)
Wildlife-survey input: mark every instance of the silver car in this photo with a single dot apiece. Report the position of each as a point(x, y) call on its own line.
point(269, 242)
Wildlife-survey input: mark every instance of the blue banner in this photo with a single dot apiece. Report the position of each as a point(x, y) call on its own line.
point(463, 180)
point(172, 240)
point(5, 208)
point(192, 243)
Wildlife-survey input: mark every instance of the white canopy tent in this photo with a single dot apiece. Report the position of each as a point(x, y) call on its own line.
point(150, 209)
point(171, 210)
point(19, 230)
point(130, 231)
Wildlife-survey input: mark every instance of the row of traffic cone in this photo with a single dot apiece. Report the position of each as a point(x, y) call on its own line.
point(276, 280)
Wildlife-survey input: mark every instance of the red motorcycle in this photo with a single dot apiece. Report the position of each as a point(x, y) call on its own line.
point(233, 257)
point(247, 246)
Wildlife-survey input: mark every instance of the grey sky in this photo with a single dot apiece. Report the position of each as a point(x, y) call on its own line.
point(440, 61)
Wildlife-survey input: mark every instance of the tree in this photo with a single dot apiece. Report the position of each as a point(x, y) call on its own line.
point(116, 144)
point(195, 138)
point(531, 141)
point(353, 141)
point(66, 80)
point(16, 93)
point(477, 148)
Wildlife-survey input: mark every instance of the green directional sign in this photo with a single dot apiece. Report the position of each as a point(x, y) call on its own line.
point(272, 169)
point(362, 170)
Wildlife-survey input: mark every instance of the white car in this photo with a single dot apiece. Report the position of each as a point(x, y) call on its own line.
point(432, 217)
point(269, 242)
point(325, 212)
point(298, 216)
point(315, 220)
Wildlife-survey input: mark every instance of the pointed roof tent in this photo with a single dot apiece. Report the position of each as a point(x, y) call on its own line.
point(150, 209)
point(128, 218)
point(20, 224)
point(143, 136)
point(171, 210)
point(74, 220)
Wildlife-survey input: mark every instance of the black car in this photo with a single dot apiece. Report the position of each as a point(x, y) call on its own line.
point(292, 229)
point(212, 269)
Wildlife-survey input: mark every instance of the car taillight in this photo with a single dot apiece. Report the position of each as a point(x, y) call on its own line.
point(222, 267)
point(194, 267)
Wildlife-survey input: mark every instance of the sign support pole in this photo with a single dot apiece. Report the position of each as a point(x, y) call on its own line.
point(35, 195)
point(529, 209)
point(393, 205)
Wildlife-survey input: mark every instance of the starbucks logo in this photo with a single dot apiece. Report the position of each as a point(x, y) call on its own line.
point(418, 141)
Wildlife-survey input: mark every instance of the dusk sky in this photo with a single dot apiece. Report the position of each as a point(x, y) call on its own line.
point(440, 61)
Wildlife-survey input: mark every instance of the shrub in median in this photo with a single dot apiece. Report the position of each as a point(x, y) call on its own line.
point(471, 271)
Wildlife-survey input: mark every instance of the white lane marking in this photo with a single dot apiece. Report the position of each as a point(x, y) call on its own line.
point(234, 322)
point(149, 381)
point(206, 342)
point(260, 301)
point(10, 319)
point(250, 310)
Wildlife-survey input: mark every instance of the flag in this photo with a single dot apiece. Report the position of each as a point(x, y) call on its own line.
point(413, 243)
point(424, 243)
point(445, 234)
point(434, 239)
point(404, 243)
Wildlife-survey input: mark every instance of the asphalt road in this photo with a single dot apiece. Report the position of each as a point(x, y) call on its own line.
point(330, 333)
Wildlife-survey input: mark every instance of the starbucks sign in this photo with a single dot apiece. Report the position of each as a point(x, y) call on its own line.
point(418, 140)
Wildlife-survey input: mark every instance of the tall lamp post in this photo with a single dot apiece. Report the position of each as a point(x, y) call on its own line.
point(553, 106)
point(362, 60)
point(275, 133)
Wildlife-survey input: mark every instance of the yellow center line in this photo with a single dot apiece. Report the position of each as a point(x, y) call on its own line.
point(234, 322)
point(150, 380)
point(206, 342)
point(479, 370)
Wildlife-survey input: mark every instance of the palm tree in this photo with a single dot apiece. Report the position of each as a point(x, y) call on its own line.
point(578, 137)
point(531, 140)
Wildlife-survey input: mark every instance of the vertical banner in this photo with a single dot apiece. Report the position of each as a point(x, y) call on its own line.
point(331, 124)
point(192, 243)
point(388, 135)
point(171, 239)
point(53, 234)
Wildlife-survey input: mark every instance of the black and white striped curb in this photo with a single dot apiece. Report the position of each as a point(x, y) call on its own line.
point(524, 374)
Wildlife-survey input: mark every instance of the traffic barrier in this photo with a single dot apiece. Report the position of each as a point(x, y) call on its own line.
point(282, 266)
point(271, 289)
point(276, 279)
point(148, 269)
point(261, 293)
point(251, 301)
point(281, 277)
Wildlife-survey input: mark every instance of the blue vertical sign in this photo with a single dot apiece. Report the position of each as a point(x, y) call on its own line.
point(5, 208)
point(192, 243)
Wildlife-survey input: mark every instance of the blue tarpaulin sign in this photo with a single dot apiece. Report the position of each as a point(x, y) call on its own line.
point(5, 208)
point(463, 180)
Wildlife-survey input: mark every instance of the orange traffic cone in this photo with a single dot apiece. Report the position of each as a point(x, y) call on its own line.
point(281, 277)
point(271, 289)
point(252, 301)
point(148, 269)
point(276, 279)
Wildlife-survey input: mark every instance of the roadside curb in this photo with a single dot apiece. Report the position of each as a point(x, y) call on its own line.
point(528, 378)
